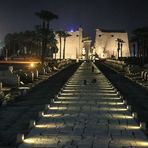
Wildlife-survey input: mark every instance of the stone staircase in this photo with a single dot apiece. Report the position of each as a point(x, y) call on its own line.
point(88, 112)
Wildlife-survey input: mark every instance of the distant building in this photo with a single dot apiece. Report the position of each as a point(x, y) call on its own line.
point(74, 45)
point(106, 44)
point(86, 50)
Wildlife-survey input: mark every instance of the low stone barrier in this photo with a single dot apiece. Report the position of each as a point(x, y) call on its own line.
point(144, 75)
point(8, 78)
point(132, 69)
point(36, 73)
point(119, 65)
point(41, 70)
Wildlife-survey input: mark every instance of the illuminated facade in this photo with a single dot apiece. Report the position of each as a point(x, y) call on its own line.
point(73, 46)
point(86, 52)
point(106, 44)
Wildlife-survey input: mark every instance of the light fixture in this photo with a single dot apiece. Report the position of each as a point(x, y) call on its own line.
point(20, 138)
point(142, 125)
point(47, 106)
point(41, 113)
point(31, 123)
point(134, 114)
point(129, 107)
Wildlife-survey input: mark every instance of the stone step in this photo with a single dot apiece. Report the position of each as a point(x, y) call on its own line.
point(86, 116)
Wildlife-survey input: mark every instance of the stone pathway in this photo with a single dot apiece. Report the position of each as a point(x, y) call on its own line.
point(89, 113)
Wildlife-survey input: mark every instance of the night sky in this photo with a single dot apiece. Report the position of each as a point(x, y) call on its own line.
point(18, 15)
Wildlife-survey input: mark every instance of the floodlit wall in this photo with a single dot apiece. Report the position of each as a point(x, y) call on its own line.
point(74, 45)
point(106, 44)
point(86, 47)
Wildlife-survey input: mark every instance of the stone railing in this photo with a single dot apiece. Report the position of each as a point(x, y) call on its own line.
point(9, 78)
point(135, 72)
point(118, 65)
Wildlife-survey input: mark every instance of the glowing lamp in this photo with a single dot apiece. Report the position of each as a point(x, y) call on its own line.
point(134, 115)
point(118, 93)
point(47, 106)
point(32, 65)
point(20, 138)
point(41, 114)
point(142, 125)
point(52, 100)
point(32, 123)
point(125, 102)
point(129, 107)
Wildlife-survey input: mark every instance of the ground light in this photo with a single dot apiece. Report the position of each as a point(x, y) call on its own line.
point(142, 125)
point(50, 125)
point(41, 114)
point(32, 123)
point(47, 106)
point(37, 140)
point(130, 127)
point(129, 107)
point(134, 115)
point(20, 138)
point(52, 115)
point(120, 116)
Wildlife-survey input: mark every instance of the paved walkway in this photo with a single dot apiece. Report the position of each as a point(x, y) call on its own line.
point(88, 114)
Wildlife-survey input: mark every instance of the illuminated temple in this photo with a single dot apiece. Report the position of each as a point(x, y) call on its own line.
point(106, 43)
point(73, 46)
point(105, 46)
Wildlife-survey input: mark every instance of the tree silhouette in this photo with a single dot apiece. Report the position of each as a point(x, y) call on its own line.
point(60, 34)
point(120, 46)
point(46, 17)
point(65, 35)
point(140, 36)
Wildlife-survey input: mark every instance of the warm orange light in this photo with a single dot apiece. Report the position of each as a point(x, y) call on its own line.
point(32, 65)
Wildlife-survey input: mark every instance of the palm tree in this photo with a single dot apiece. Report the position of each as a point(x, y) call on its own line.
point(120, 45)
point(46, 17)
point(8, 42)
point(65, 35)
point(118, 48)
point(60, 34)
point(52, 43)
point(140, 35)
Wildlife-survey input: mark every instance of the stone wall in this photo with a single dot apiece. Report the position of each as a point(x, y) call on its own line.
point(106, 44)
point(74, 45)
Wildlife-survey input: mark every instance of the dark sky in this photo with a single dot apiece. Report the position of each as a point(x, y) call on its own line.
point(18, 15)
